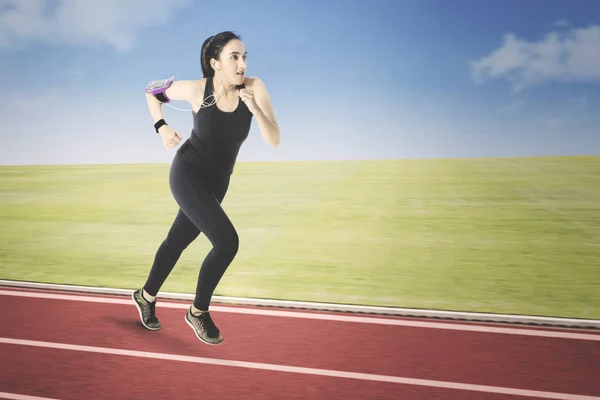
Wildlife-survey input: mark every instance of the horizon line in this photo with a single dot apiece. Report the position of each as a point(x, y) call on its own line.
point(310, 161)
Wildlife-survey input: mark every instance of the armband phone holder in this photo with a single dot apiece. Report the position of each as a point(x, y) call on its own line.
point(158, 89)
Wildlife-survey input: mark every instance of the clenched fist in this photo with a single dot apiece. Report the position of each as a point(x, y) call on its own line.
point(247, 97)
point(170, 137)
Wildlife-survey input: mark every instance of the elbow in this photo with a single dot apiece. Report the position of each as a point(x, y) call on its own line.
point(275, 139)
point(270, 134)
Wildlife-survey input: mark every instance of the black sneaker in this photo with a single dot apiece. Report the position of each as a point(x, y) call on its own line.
point(146, 310)
point(204, 327)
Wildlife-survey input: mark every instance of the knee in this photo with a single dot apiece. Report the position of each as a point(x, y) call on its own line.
point(228, 243)
point(233, 243)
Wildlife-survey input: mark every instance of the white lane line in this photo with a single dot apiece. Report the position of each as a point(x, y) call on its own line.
point(301, 370)
point(326, 317)
point(313, 306)
point(14, 396)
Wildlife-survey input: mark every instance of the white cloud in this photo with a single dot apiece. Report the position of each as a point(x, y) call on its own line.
point(568, 56)
point(81, 22)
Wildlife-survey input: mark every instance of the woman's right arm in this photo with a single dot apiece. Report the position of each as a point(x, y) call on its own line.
point(179, 90)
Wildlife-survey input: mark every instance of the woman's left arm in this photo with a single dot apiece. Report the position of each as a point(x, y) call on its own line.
point(259, 104)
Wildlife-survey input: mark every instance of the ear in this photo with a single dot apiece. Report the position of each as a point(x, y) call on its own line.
point(215, 64)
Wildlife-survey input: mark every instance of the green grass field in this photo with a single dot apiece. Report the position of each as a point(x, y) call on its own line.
point(513, 235)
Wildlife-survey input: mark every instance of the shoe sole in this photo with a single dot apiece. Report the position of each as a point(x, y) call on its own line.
point(140, 313)
point(187, 321)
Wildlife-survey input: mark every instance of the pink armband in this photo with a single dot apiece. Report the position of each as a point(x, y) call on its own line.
point(158, 89)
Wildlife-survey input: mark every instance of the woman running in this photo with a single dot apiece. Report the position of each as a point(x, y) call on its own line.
point(223, 104)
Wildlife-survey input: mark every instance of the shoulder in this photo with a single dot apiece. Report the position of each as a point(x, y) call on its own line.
point(253, 82)
point(198, 86)
point(196, 89)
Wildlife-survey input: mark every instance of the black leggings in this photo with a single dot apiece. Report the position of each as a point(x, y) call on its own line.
point(200, 211)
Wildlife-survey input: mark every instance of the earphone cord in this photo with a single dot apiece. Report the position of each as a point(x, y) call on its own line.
point(204, 104)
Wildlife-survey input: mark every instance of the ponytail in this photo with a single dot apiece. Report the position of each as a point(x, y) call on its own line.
point(205, 57)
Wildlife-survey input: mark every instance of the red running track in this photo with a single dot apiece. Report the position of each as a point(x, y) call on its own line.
point(58, 346)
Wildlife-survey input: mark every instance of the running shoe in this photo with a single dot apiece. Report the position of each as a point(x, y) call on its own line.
point(204, 327)
point(147, 310)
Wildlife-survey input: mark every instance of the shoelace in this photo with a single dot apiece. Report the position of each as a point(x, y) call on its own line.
point(149, 312)
point(207, 324)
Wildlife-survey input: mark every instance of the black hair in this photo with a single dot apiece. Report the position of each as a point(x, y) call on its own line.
point(212, 48)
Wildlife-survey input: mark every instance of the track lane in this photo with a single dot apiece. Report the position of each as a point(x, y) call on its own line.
point(43, 372)
point(546, 364)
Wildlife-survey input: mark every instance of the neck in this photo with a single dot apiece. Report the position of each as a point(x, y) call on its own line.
point(221, 88)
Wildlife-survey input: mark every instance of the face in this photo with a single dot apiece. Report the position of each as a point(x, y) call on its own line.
point(232, 62)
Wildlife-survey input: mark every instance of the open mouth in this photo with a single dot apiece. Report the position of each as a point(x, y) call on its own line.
point(240, 73)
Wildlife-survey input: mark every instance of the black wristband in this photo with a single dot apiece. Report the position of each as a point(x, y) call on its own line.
point(158, 124)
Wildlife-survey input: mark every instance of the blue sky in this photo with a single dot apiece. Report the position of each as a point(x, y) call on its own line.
point(348, 79)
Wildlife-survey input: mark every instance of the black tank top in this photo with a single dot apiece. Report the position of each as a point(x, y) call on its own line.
point(216, 138)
